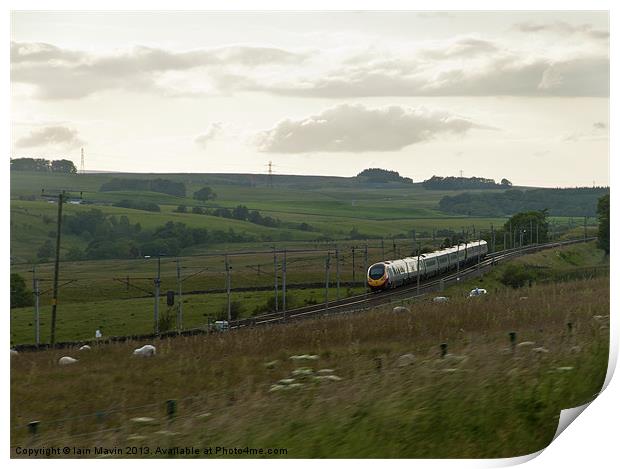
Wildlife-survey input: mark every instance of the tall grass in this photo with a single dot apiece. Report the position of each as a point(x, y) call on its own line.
point(485, 402)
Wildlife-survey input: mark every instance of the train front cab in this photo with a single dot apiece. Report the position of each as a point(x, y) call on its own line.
point(378, 277)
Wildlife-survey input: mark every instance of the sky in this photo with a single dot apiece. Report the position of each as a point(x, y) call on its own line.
point(520, 95)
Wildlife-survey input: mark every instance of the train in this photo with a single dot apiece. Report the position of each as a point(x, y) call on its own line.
point(386, 275)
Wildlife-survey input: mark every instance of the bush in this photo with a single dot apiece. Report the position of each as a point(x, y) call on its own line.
point(167, 320)
point(20, 295)
point(270, 304)
point(138, 205)
point(516, 276)
point(206, 193)
point(237, 308)
point(46, 250)
point(75, 254)
point(181, 209)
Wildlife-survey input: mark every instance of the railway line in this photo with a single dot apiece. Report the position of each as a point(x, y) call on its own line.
point(347, 305)
point(410, 291)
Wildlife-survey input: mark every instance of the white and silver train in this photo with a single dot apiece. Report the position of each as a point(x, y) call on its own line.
point(391, 274)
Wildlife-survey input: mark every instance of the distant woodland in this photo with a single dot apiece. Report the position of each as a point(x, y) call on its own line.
point(559, 202)
point(461, 183)
point(43, 165)
point(378, 175)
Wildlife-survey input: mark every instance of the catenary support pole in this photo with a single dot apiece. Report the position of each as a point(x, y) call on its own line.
point(418, 268)
point(365, 265)
point(180, 293)
point(327, 261)
point(284, 284)
point(228, 268)
point(157, 288)
point(275, 277)
point(353, 257)
point(337, 273)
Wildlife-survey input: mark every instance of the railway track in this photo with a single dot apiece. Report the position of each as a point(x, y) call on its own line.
point(347, 305)
point(407, 292)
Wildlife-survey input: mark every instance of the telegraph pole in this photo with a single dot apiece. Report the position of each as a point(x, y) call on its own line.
point(180, 293)
point(275, 276)
point(35, 290)
point(531, 231)
point(56, 269)
point(227, 288)
point(284, 285)
point(393, 248)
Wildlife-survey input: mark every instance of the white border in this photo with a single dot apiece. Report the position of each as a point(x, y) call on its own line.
point(591, 441)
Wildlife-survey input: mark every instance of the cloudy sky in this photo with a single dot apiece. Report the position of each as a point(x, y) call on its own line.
point(499, 94)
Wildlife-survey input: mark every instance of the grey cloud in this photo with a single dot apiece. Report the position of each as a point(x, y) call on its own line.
point(355, 128)
point(41, 52)
point(562, 28)
point(51, 135)
point(501, 76)
point(441, 71)
point(63, 74)
point(465, 47)
point(599, 125)
point(214, 130)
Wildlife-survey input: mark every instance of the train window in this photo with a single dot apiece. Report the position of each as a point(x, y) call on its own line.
point(376, 271)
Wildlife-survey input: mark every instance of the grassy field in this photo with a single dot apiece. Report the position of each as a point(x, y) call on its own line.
point(123, 310)
point(333, 207)
point(484, 399)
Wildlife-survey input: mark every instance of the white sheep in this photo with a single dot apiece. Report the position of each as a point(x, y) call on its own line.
point(14, 353)
point(405, 360)
point(85, 347)
point(440, 299)
point(400, 310)
point(67, 361)
point(145, 351)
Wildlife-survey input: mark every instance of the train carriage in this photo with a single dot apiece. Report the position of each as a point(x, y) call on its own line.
point(395, 273)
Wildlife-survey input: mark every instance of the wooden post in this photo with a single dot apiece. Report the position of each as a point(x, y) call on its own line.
point(56, 269)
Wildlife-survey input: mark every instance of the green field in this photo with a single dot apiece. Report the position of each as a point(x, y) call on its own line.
point(333, 207)
point(97, 301)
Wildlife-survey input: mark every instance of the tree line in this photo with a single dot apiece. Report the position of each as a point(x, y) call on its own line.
point(164, 186)
point(240, 212)
point(43, 165)
point(113, 237)
point(378, 175)
point(460, 183)
point(560, 202)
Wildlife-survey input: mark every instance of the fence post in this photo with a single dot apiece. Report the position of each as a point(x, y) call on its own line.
point(171, 409)
point(513, 340)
